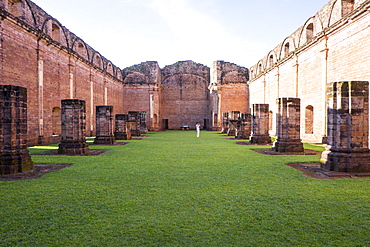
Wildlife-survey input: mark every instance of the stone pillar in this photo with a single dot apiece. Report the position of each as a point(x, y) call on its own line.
point(244, 126)
point(348, 128)
point(288, 126)
point(134, 116)
point(233, 117)
point(225, 123)
point(104, 125)
point(143, 126)
point(73, 139)
point(14, 156)
point(260, 124)
point(121, 127)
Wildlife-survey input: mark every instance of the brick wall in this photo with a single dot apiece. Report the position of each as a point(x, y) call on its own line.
point(337, 51)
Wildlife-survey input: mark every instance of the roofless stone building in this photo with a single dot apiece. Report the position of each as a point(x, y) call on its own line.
point(37, 52)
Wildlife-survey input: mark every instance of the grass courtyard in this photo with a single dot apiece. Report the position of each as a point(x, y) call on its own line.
point(173, 189)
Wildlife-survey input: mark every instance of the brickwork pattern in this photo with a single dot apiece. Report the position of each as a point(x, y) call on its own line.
point(288, 126)
point(348, 127)
point(73, 139)
point(260, 124)
point(104, 125)
point(14, 156)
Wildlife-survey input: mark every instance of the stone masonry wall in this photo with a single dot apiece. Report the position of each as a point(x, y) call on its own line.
point(301, 66)
point(39, 53)
point(185, 95)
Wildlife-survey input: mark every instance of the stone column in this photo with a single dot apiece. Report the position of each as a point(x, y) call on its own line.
point(348, 128)
point(73, 139)
point(260, 124)
point(244, 126)
point(288, 126)
point(233, 117)
point(143, 126)
point(134, 116)
point(225, 123)
point(121, 127)
point(14, 156)
point(104, 125)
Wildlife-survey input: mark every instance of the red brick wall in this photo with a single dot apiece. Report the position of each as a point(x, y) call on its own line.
point(339, 54)
point(26, 42)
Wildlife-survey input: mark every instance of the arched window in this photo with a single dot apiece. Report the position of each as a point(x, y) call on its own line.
point(81, 49)
point(260, 68)
point(271, 60)
point(56, 121)
point(15, 7)
point(98, 61)
point(286, 49)
point(110, 69)
point(270, 120)
point(309, 32)
point(215, 120)
point(347, 6)
point(252, 74)
point(309, 120)
point(55, 32)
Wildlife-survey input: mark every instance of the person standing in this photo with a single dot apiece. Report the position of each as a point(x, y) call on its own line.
point(197, 127)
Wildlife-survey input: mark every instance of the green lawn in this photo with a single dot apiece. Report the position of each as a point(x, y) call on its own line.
point(173, 189)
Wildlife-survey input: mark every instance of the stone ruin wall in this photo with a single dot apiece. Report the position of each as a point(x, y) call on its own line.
point(185, 95)
point(142, 88)
point(333, 45)
point(229, 90)
point(39, 53)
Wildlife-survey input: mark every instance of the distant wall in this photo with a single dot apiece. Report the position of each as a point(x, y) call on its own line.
point(185, 95)
point(229, 90)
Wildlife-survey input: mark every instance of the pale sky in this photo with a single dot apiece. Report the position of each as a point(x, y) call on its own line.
point(128, 32)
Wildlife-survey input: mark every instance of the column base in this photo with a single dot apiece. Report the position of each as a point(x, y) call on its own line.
point(260, 139)
point(120, 135)
point(15, 162)
point(287, 146)
point(341, 161)
point(73, 148)
point(104, 140)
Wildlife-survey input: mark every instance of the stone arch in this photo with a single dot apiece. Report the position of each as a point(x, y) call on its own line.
point(80, 47)
point(309, 119)
point(56, 121)
point(110, 68)
point(260, 67)
point(286, 48)
point(97, 60)
point(55, 32)
point(307, 31)
point(271, 59)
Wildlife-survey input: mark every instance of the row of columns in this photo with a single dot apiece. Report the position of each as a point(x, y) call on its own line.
point(348, 127)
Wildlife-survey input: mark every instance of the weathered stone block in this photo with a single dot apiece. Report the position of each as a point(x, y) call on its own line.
point(104, 125)
point(73, 127)
point(288, 126)
point(14, 156)
point(348, 128)
point(121, 127)
point(260, 124)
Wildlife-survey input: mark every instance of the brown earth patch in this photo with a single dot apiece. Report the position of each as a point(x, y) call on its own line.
point(269, 151)
point(313, 170)
point(38, 171)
